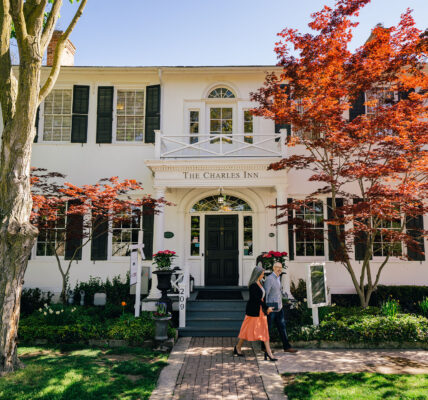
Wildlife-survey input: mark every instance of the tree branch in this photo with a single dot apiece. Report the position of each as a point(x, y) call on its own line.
point(50, 25)
point(50, 82)
point(8, 83)
point(17, 12)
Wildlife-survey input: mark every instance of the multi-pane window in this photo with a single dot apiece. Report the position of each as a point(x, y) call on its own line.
point(125, 233)
point(383, 244)
point(57, 116)
point(221, 93)
point(221, 122)
point(248, 126)
point(248, 235)
point(130, 115)
point(195, 235)
point(51, 238)
point(310, 239)
point(380, 97)
point(193, 125)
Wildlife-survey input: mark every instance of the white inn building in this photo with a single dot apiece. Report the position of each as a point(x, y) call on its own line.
point(187, 135)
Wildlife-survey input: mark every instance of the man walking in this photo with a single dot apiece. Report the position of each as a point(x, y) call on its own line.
point(273, 298)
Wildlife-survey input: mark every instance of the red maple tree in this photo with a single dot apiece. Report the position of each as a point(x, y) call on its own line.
point(359, 132)
point(69, 217)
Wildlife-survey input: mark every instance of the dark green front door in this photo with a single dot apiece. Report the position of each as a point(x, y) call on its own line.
point(221, 250)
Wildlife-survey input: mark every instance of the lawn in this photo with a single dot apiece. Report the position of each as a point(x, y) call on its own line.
point(367, 386)
point(83, 374)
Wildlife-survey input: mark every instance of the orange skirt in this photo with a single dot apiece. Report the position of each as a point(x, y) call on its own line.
point(254, 328)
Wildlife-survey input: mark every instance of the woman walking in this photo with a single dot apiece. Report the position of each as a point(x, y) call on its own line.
point(254, 327)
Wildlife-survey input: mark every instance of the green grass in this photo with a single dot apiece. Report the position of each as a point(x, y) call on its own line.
point(81, 373)
point(355, 386)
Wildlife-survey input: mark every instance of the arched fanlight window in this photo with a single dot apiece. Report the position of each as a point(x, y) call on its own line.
point(221, 93)
point(220, 203)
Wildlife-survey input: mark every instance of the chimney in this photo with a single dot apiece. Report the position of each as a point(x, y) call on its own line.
point(67, 58)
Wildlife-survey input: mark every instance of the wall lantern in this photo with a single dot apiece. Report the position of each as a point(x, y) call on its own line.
point(220, 198)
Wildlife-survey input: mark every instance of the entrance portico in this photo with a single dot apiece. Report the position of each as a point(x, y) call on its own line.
point(219, 245)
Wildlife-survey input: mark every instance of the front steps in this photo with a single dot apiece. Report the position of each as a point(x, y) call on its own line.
point(214, 317)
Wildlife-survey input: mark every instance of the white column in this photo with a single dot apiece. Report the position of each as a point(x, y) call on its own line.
point(281, 197)
point(158, 242)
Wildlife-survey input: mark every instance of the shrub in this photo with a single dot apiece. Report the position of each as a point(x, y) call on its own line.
point(134, 329)
point(299, 291)
point(365, 325)
point(116, 291)
point(423, 305)
point(408, 296)
point(33, 299)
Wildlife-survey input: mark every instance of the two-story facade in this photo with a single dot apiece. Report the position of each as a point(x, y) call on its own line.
point(187, 135)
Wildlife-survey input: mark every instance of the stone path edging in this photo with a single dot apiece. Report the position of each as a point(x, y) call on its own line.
point(168, 376)
point(272, 381)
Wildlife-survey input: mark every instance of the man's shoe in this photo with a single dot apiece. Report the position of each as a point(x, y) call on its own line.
point(290, 350)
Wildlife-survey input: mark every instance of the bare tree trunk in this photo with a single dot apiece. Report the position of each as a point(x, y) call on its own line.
point(17, 234)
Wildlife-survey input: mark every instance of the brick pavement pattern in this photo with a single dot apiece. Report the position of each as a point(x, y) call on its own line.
point(210, 371)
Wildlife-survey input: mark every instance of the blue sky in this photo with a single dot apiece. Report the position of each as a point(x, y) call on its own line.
point(205, 32)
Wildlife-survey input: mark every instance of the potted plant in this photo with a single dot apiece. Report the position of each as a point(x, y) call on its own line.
point(161, 317)
point(163, 259)
point(271, 257)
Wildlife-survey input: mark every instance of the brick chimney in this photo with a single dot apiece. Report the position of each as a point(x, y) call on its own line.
point(67, 58)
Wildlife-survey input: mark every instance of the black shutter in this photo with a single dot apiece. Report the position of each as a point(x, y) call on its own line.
point(79, 124)
point(358, 107)
point(99, 239)
point(290, 233)
point(73, 236)
point(36, 138)
point(148, 223)
point(105, 114)
point(334, 248)
point(414, 226)
point(360, 241)
point(153, 103)
point(283, 126)
point(404, 95)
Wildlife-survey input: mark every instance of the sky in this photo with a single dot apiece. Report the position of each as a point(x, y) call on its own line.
point(205, 32)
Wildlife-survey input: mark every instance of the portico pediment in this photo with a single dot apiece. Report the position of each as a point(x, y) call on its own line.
point(215, 172)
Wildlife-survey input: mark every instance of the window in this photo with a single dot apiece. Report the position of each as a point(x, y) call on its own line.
point(51, 237)
point(382, 244)
point(130, 116)
point(221, 122)
point(248, 126)
point(310, 240)
point(57, 116)
point(248, 235)
point(194, 125)
point(382, 97)
point(125, 233)
point(195, 235)
point(221, 93)
point(227, 203)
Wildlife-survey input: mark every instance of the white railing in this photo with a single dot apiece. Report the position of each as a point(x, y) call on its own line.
point(220, 145)
point(182, 284)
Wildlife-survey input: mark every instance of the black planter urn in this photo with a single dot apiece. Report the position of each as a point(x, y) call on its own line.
point(164, 285)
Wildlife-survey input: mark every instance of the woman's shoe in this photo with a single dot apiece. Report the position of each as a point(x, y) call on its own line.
point(235, 353)
point(270, 358)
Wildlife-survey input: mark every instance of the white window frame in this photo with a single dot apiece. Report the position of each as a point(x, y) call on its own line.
point(34, 252)
point(114, 127)
point(188, 122)
point(325, 237)
point(41, 126)
point(366, 109)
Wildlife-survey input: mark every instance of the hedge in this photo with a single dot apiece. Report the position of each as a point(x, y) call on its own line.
point(366, 328)
point(51, 328)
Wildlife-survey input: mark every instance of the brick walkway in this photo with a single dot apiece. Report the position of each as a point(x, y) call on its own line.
point(210, 371)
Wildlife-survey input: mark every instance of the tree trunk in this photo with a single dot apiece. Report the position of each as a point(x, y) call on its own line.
point(17, 235)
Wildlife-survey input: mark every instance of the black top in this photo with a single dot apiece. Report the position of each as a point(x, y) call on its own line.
point(255, 301)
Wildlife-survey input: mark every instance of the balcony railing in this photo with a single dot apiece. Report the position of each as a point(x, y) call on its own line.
point(220, 145)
